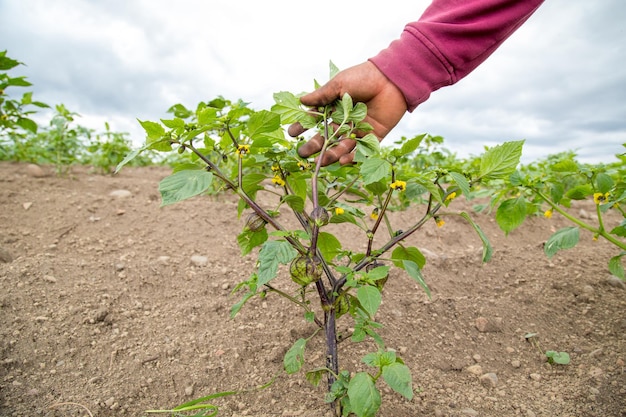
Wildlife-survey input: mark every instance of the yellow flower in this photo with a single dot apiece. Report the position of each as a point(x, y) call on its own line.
point(275, 168)
point(303, 165)
point(339, 210)
point(595, 238)
point(439, 221)
point(243, 150)
point(547, 214)
point(374, 215)
point(451, 196)
point(278, 181)
point(600, 198)
point(398, 185)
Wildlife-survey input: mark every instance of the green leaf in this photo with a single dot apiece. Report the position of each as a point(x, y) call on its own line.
point(580, 192)
point(333, 69)
point(604, 183)
point(7, 63)
point(154, 131)
point(183, 185)
point(364, 396)
point(566, 165)
point(368, 145)
point(249, 240)
point(295, 202)
point(511, 214)
point(207, 115)
point(27, 124)
point(561, 358)
point(501, 160)
point(173, 123)
point(487, 248)
point(462, 182)
point(314, 376)
point(263, 122)
point(375, 169)
point(329, 245)
point(132, 155)
point(19, 82)
point(620, 230)
point(411, 253)
point(294, 358)
point(398, 377)
point(409, 146)
point(414, 272)
point(370, 299)
point(615, 266)
point(565, 238)
point(288, 107)
point(272, 253)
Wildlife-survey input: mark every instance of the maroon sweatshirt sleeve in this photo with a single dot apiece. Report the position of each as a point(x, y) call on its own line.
point(450, 40)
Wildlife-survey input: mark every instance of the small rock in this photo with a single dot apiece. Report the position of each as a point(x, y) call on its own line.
point(199, 260)
point(596, 353)
point(49, 278)
point(225, 286)
point(35, 171)
point(189, 390)
point(27, 205)
point(596, 372)
point(516, 364)
point(474, 369)
point(5, 256)
point(489, 380)
point(99, 315)
point(109, 402)
point(616, 282)
point(485, 325)
point(584, 214)
point(120, 194)
point(163, 259)
point(535, 377)
point(469, 412)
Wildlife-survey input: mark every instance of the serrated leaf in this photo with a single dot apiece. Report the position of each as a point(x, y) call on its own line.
point(565, 238)
point(487, 248)
point(263, 122)
point(501, 160)
point(615, 266)
point(410, 253)
point(374, 169)
point(619, 230)
point(248, 240)
point(273, 253)
point(398, 377)
point(314, 376)
point(566, 165)
point(462, 183)
point(288, 107)
point(370, 299)
point(295, 202)
point(511, 214)
point(329, 245)
point(27, 124)
point(294, 358)
point(132, 155)
point(604, 183)
point(364, 396)
point(414, 272)
point(580, 192)
point(154, 131)
point(183, 185)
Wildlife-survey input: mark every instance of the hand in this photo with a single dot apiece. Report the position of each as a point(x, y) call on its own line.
point(364, 83)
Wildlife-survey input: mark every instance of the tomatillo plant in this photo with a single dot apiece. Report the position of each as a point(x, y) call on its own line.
point(246, 152)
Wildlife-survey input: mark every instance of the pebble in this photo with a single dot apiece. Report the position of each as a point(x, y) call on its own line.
point(120, 194)
point(535, 377)
point(5, 256)
point(485, 325)
point(109, 402)
point(199, 260)
point(474, 369)
point(35, 171)
point(616, 282)
point(189, 390)
point(49, 278)
point(469, 412)
point(27, 205)
point(489, 380)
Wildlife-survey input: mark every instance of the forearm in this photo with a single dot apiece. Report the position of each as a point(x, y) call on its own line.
point(450, 40)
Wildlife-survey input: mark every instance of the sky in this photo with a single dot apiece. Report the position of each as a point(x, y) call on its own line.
point(559, 82)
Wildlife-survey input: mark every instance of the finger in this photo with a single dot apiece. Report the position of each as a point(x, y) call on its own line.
point(295, 129)
point(313, 145)
point(334, 154)
point(324, 95)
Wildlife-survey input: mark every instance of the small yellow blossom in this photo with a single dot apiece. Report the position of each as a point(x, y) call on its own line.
point(451, 196)
point(595, 238)
point(439, 221)
point(275, 168)
point(339, 210)
point(600, 198)
point(374, 215)
point(398, 185)
point(547, 214)
point(243, 150)
point(304, 165)
point(278, 181)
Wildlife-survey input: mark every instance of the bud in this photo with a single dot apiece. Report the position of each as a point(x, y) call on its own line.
point(254, 223)
point(305, 270)
point(320, 216)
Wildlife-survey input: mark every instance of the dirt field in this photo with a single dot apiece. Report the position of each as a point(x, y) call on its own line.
point(103, 312)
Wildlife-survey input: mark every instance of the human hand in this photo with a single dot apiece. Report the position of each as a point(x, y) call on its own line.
point(364, 83)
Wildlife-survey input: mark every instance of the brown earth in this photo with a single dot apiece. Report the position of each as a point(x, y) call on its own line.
point(103, 312)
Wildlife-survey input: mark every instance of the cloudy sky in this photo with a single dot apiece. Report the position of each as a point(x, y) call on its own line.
point(559, 82)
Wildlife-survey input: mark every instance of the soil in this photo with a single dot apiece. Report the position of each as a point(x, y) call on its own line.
point(105, 311)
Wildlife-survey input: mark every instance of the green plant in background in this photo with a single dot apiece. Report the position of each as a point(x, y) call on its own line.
point(550, 186)
point(232, 147)
point(15, 115)
point(553, 357)
point(107, 149)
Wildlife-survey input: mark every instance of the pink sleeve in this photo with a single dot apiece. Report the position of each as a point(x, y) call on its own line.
point(450, 40)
